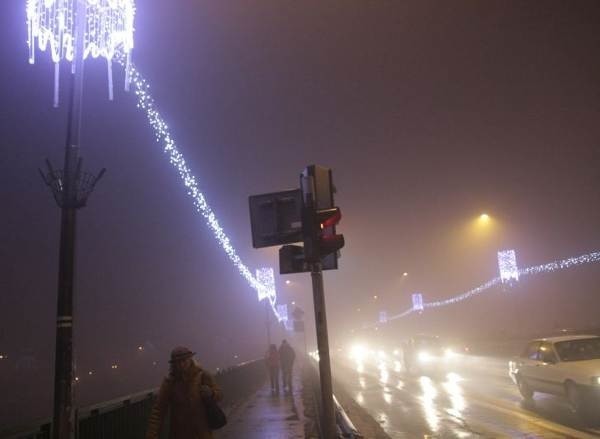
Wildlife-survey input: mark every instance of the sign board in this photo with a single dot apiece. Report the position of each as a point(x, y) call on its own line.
point(291, 260)
point(276, 218)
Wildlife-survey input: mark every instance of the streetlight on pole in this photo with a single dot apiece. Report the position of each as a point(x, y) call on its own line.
point(70, 25)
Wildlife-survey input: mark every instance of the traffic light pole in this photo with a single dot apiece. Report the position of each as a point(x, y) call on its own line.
point(329, 425)
point(268, 322)
point(313, 205)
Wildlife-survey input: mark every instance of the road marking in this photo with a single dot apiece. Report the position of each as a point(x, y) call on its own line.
point(501, 406)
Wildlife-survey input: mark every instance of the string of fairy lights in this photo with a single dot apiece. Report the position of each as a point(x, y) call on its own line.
point(264, 283)
point(106, 30)
point(516, 274)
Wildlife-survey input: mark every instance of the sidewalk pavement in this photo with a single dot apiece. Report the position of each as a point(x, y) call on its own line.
point(267, 416)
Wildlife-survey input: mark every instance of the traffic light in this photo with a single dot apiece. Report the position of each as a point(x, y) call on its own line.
point(291, 260)
point(306, 215)
point(320, 216)
point(328, 242)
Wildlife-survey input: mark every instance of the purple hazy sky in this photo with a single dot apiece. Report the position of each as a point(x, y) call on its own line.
point(429, 113)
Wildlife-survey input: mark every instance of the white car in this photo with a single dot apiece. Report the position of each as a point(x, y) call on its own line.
point(567, 366)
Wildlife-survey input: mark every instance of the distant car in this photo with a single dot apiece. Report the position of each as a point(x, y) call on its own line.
point(567, 366)
point(426, 353)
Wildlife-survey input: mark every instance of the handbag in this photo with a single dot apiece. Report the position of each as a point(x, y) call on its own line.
point(214, 414)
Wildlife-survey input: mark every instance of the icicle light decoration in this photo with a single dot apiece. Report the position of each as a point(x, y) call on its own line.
point(51, 25)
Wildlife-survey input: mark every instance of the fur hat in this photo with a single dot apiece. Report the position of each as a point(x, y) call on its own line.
point(180, 353)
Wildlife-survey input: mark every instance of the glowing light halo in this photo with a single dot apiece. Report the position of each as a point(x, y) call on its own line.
point(163, 136)
point(108, 30)
point(537, 269)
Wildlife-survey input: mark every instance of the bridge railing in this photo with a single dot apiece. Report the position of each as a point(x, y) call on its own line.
point(127, 416)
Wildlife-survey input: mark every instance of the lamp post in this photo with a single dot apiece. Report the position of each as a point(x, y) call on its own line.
point(71, 189)
point(69, 26)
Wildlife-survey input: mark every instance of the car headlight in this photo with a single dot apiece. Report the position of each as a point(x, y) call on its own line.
point(425, 357)
point(449, 353)
point(596, 381)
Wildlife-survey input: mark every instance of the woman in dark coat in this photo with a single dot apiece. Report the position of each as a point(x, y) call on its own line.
point(182, 396)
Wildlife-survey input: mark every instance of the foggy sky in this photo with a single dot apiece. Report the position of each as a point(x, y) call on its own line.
point(429, 113)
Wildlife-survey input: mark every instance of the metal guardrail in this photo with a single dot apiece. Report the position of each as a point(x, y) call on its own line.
point(127, 416)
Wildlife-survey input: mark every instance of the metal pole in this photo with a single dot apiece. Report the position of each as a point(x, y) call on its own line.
point(63, 372)
point(329, 425)
point(305, 348)
point(268, 322)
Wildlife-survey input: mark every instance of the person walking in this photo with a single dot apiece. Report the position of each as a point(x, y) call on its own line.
point(272, 360)
point(286, 357)
point(182, 395)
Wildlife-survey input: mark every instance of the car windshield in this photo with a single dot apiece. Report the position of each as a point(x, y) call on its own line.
point(579, 350)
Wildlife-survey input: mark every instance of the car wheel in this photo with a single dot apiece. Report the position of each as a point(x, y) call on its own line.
point(524, 389)
point(574, 397)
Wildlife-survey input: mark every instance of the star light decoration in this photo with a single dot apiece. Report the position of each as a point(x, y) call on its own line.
point(107, 30)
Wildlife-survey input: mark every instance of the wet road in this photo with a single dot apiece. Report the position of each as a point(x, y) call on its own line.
point(474, 397)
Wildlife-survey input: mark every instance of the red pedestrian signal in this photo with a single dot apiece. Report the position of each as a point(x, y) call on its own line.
point(327, 241)
point(329, 217)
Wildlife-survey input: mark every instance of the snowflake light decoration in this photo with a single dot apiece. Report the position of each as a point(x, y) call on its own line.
point(107, 27)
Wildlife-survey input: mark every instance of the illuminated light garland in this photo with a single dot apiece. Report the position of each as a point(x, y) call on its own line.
point(562, 264)
point(507, 265)
point(108, 31)
point(478, 290)
point(266, 291)
point(282, 312)
point(266, 277)
point(163, 136)
point(543, 268)
point(417, 300)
